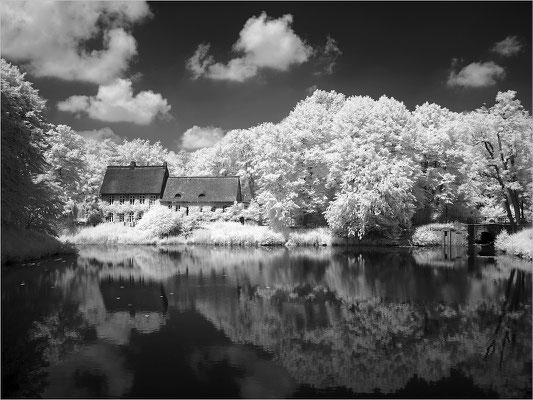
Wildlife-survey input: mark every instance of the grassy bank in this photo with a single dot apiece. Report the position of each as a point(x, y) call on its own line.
point(213, 233)
point(518, 244)
point(21, 244)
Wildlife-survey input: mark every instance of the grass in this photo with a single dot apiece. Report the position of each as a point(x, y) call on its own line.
point(430, 234)
point(20, 244)
point(220, 233)
point(310, 237)
point(235, 234)
point(519, 244)
point(109, 234)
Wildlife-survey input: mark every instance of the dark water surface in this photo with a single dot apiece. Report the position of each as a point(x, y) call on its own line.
point(140, 321)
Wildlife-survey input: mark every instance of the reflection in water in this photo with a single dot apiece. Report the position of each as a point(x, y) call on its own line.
point(203, 321)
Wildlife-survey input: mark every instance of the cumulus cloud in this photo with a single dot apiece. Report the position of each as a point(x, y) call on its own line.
point(116, 103)
point(51, 37)
point(508, 46)
point(197, 137)
point(327, 56)
point(476, 74)
point(99, 135)
point(264, 43)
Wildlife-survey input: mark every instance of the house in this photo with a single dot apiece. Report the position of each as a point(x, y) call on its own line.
point(200, 193)
point(129, 191)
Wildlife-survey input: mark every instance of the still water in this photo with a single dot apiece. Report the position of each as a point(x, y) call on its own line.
point(140, 321)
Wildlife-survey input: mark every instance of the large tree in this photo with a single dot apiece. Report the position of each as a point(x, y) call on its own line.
point(499, 155)
point(27, 198)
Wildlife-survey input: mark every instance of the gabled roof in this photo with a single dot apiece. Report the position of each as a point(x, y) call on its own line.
point(134, 180)
point(214, 189)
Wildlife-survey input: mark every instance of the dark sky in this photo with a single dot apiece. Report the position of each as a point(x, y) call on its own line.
point(402, 50)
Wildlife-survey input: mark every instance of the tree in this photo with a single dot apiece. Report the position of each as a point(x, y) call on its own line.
point(499, 154)
point(27, 199)
point(373, 168)
point(141, 151)
point(65, 153)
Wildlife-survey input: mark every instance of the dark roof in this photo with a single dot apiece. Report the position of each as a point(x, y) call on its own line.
point(134, 180)
point(215, 189)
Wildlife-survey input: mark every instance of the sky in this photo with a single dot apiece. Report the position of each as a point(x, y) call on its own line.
point(185, 73)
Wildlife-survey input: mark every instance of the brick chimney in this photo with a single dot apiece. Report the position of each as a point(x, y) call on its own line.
point(132, 165)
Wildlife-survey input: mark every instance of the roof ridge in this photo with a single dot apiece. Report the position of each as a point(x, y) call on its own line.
point(231, 176)
point(136, 166)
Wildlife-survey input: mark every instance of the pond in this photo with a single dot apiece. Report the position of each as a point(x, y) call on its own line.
point(141, 321)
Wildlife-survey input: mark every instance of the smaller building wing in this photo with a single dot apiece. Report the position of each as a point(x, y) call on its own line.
point(203, 190)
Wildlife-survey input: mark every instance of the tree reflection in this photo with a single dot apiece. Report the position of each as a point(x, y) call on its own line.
point(362, 319)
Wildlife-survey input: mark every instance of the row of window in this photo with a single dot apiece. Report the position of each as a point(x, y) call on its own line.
point(177, 207)
point(120, 217)
point(122, 199)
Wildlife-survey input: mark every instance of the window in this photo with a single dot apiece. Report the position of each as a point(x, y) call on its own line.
point(121, 199)
point(177, 196)
point(170, 206)
point(111, 199)
point(177, 207)
point(141, 199)
point(152, 199)
point(121, 218)
point(109, 217)
point(201, 196)
point(132, 199)
point(140, 215)
point(130, 217)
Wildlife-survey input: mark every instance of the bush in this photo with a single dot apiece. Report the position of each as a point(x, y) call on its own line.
point(519, 244)
point(159, 221)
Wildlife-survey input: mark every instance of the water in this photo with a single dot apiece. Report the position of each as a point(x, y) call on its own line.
point(140, 321)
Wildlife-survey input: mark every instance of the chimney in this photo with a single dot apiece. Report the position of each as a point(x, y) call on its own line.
point(132, 165)
point(165, 164)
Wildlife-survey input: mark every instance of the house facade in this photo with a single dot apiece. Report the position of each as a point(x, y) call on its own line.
point(129, 191)
point(201, 193)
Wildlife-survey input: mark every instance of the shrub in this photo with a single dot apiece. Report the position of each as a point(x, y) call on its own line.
point(429, 235)
point(520, 243)
point(160, 221)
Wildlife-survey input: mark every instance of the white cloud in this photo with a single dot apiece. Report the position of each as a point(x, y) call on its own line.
point(116, 103)
point(197, 137)
point(508, 46)
point(51, 37)
point(264, 42)
point(328, 56)
point(476, 74)
point(99, 135)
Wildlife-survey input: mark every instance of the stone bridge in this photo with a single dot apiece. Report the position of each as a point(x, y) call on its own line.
point(485, 233)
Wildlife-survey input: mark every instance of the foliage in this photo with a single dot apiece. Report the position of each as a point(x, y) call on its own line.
point(28, 200)
point(236, 234)
point(429, 234)
point(159, 221)
point(499, 155)
point(519, 244)
point(109, 234)
point(19, 244)
point(310, 237)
